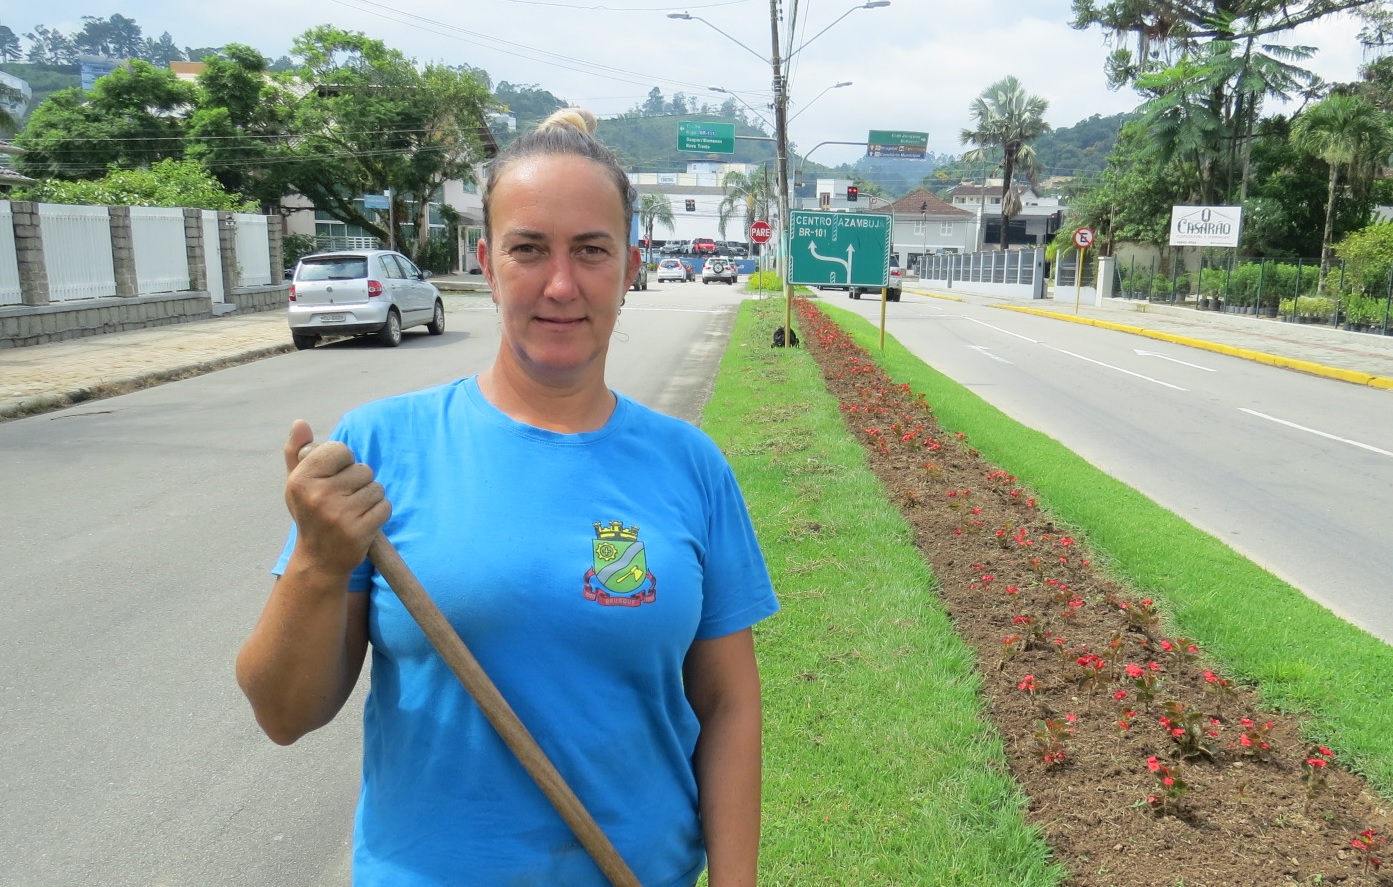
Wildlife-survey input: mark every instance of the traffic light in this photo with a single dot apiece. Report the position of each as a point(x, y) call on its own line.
point(852, 193)
point(691, 206)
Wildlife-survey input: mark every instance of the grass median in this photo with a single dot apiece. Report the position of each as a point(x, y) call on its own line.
point(880, 767)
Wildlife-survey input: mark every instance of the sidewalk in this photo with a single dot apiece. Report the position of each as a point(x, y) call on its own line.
point(40, 378)
point(45, 377)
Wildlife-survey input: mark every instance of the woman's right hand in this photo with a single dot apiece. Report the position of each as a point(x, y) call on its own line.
point(337, 505)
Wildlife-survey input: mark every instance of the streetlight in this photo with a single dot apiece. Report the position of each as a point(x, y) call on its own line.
point(818, 96)
point(874, 4)
point(780, 123)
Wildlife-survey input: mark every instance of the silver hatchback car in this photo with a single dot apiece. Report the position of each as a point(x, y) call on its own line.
point(361, 292)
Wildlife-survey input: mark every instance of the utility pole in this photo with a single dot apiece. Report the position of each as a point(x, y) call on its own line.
point(781, 145)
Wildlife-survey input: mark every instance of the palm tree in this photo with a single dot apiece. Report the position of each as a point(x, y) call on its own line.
point(751, 193)
point(1007, 120)
point(654, 208)
point(1347, 133)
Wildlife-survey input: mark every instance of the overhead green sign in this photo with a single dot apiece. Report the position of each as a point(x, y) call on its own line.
point(706, 138)
point(896, 143)
point(849, 249)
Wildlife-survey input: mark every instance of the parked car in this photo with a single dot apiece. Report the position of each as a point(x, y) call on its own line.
point(641, 279)
point(672, 269)
point(361, 292)
point(703, 246)
point(672, 248)
point(720, 269)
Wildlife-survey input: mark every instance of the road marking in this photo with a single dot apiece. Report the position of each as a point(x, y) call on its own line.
point(1001, 329)
point(1344, 440)
point(1173, 360)
point(986, 352)
point(1119, 369)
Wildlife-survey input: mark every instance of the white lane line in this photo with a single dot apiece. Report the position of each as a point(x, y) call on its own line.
point(1343, 440)
point(987, 352)
point(991, 326)
point(1119, 369)
point(1142, 353)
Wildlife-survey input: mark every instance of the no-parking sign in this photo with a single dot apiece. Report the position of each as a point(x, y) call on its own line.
point(1083, 238)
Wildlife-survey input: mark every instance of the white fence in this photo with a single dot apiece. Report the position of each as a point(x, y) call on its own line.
point(82, 253)
point(161, 256)
point(253, 250)
point(77, 251)
point(9, 259)
point(1018, 273)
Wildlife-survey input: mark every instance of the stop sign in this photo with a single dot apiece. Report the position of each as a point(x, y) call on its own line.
point(761, 231)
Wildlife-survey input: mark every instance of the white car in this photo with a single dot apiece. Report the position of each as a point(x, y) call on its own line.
point(720, 269)
point(358, 292)
point(671, 269)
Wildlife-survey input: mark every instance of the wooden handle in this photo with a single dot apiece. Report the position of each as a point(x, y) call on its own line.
point(500, 714)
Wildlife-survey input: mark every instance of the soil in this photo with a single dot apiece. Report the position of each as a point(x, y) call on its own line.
point(1250, 815)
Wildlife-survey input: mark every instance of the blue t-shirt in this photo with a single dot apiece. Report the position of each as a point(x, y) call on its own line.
point(578, 568)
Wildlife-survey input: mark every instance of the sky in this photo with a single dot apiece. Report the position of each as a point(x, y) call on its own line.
point(914, 65)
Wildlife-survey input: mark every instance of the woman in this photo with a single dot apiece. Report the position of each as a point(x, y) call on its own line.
point(595, 556)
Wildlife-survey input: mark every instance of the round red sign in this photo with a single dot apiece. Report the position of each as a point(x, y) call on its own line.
point(1083, 238)
point(761, 231)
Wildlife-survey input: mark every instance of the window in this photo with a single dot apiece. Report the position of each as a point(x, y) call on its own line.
point(393, 268)
point(920, 227)
point(945, 229)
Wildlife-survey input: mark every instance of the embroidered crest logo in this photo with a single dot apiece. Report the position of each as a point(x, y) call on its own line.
point(618, 575)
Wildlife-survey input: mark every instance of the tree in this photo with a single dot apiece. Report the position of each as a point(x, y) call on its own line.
point(241, 113)
point(1006, 120)
point(50, 47)
point(753, 194)
point(373, 121)
point(131, 117)
point(162, 51)
point(10, 49)
point(1348, 134)
point(654, 208)
point(115, 37)
point(165, 183)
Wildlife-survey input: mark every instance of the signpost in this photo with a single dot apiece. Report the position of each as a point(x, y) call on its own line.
point(706, 138)
point(897, 143)
point(1083, 239)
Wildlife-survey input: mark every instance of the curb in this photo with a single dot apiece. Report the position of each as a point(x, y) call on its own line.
point(1290, 363)
point(47, 403)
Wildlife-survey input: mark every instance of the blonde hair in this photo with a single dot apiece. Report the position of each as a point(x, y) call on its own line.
point(565, 132)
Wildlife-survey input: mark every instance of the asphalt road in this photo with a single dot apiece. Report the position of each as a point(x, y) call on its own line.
point(140, 531)
point(1291, 470)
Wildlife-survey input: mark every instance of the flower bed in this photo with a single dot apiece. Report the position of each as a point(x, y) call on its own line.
point(1145, 765)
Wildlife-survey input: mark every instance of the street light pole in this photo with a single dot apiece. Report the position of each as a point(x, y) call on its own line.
point(781, 144)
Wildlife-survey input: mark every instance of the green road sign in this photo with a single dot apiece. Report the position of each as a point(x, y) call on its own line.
point(894, 143)
point(706, 138)
point(839, 248)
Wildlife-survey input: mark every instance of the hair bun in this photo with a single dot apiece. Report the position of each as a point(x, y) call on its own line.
point(578, 119)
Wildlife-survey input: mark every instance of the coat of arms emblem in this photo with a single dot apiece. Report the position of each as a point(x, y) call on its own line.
point(618, 575)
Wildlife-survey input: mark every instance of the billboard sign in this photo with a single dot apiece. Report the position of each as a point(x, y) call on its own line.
point(839, 248)
point(1206, 225)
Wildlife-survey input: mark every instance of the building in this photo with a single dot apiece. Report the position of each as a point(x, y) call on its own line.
point(1035, 225)
point(924, 224)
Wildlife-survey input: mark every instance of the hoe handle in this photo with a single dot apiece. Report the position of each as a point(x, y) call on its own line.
point(500, 714)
